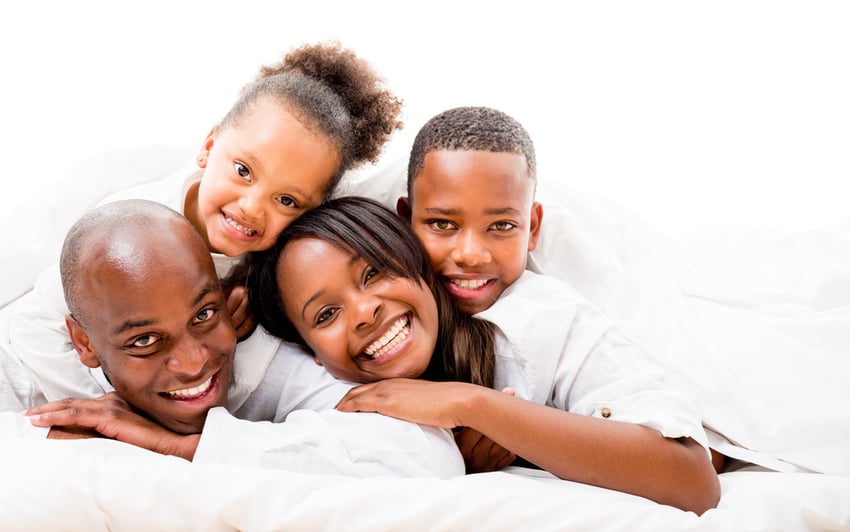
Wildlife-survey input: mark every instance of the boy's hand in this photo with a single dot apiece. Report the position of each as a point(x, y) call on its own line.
point(240, 311)
point(480, 453)
point(111, 417)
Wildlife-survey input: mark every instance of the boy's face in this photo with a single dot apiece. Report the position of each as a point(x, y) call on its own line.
point(260, 174)
point(362, 325)
point(475, 215)
point(157, 323)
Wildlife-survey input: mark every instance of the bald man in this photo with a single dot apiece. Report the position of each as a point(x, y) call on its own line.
point(146, 308)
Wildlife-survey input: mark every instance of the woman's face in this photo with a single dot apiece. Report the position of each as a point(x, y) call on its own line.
point(362, 325)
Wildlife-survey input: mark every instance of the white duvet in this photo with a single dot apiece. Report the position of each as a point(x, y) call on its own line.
point(761, 321)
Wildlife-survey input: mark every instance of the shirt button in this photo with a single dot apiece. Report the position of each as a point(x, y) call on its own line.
point(606, 412)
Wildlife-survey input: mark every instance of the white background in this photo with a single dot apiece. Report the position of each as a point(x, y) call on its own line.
point(687, 113)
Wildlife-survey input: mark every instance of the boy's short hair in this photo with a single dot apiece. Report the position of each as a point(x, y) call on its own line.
point(470, 129)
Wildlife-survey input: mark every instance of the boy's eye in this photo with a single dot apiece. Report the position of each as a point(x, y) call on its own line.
point(242, 171)
point(503, 226)
point(287, 201)
point(145, 341)
point(441, 225)
point(325, 315)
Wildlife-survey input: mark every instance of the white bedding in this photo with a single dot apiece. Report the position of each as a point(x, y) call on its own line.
point(776, 308)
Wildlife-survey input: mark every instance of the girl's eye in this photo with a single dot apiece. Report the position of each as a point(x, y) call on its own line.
point(324, 315)
point(242, 171)
point(286, 201)
point(205, 315)
point(145, 341)
point(503, 226)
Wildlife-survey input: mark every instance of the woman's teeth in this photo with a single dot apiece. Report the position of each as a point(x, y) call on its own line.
point(192, 392)
point(239, 227)
point(394, 336)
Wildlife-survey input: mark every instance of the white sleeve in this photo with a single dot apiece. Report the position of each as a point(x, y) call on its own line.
point(331, 442)
point(37, 336)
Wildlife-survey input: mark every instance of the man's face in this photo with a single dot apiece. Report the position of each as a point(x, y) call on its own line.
point(157, 323)
point(474, 213)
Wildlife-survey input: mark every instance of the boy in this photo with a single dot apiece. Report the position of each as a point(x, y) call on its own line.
point(471, 181)
point(146, 307)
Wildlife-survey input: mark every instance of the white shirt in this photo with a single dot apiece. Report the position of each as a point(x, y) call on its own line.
point(560, 351)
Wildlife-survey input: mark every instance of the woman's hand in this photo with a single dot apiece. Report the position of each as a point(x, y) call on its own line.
point(111, 417)
point(428, 403)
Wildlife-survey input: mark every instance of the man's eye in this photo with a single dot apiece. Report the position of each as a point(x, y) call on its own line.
point(242, 171)
point(145, 341)
point(205, 314)
point(286, 201)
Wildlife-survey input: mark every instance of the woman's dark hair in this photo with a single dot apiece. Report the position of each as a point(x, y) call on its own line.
point(465, 349)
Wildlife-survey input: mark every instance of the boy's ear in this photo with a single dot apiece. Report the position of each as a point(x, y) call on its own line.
point(402, 207)
point(204, 153)
point(82, 342)
point(534, 225)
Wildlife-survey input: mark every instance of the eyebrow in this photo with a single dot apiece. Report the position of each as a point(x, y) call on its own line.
point(503, 210)
point(133, 324)
point(354, 258)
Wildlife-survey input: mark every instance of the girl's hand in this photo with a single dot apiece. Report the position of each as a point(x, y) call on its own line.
point(111, 417)
point(240, 311)
point(424, 402)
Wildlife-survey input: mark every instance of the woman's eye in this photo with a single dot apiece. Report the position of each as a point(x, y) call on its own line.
point(205, 314)
point(286, 201)
point(242, 171)
point(324, 316)
point(145, 341)
point(370, 274)
point(503, 226)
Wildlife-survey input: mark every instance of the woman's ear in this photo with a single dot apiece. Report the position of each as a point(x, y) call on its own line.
point(82, 342)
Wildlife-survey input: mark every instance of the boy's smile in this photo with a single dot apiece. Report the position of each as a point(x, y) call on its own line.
point(473, 212)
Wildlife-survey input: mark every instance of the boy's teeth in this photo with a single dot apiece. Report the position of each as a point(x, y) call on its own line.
point(236, 225)
point(394, 336)
point(190, 392)
point(469, 284)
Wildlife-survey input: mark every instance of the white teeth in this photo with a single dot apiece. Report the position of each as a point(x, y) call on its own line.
point(469, 284)
point(239, 227)
point(191, 392)
point(394, 336)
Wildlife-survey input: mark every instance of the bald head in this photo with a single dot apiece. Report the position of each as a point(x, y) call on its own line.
point(135, 237)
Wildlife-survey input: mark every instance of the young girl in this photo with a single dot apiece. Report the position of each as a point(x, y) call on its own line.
point(351, 283)
point(278, 152)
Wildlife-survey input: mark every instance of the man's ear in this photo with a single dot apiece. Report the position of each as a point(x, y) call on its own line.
point(402, 207)
point(82, 342)
point(317, 361)
point(534, 225)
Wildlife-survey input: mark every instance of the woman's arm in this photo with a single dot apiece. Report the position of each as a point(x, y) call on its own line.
point(610, 454)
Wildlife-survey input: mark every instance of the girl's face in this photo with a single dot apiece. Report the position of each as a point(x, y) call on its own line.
point(260, 173)
point(362, 325)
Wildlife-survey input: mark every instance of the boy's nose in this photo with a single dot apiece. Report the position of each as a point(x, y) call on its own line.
point(470, 250)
